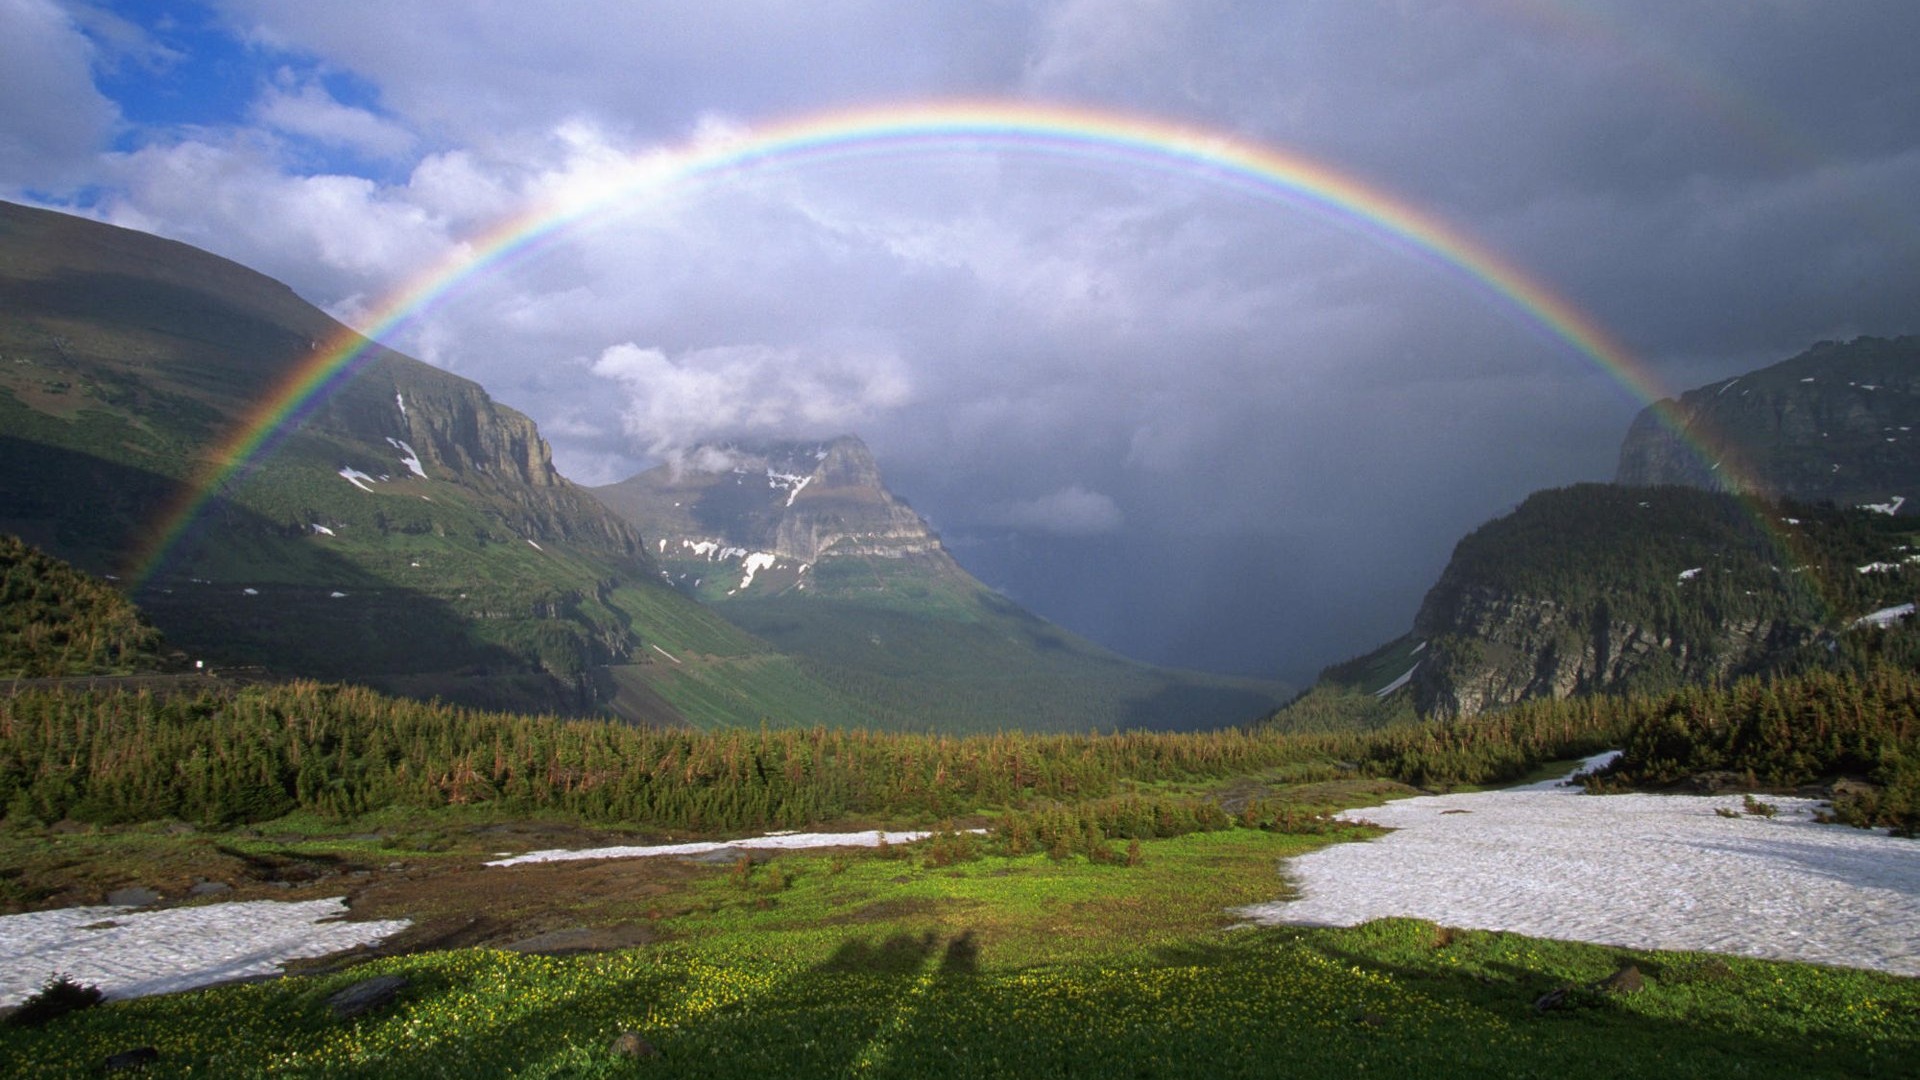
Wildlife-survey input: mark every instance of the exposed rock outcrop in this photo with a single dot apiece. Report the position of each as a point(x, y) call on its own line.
point(799, 501)
point(1839, 422)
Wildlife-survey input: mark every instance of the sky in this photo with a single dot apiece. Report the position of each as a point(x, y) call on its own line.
point(1198, 423)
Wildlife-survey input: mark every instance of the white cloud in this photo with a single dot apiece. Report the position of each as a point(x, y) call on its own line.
point(334, 234)
point(305, 108)
point(52, 119)
point(1071, 511)
point(673, 402)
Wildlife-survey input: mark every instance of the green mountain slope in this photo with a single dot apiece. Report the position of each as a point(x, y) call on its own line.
point(802, 544)
point(409, 532)
point(56, 621)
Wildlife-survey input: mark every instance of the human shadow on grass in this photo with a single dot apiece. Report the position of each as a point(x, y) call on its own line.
point(905, 954)
point(1610, 1036)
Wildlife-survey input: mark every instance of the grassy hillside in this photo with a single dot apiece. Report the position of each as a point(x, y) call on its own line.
point(57, 621)
point(475, 573)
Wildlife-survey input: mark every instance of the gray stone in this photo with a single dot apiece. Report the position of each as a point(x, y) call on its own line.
point(634, 1045)
point(366, 996)
point(133, 896)
point(209, 888)
point(1627, 980)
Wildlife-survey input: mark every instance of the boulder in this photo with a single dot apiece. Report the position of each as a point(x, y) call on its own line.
point(1627, 980)
point(132, 896)
point(209, 888)
point(634, 1045)
point(365, 996)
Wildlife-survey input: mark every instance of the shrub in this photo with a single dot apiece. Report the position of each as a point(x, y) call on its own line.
point(57, 997)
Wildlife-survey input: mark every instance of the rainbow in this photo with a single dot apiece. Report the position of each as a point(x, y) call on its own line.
point(1102, 136)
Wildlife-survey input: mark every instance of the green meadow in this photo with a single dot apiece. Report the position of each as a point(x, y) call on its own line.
point(884, 964)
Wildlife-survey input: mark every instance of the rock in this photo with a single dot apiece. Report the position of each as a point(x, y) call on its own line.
point(1716, 782)
point(632, 1044)
point(1627, 980)
point(1848, 788)
point(209, 888)
point(1551, 1000)
point(366, 996)
point(133, 896)
point(135, 1058)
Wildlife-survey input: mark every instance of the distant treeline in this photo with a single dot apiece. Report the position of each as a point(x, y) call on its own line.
point(258, 752)
point(56, 620)
point(339, 751)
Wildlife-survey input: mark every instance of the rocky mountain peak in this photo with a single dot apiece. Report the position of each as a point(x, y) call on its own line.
point(793, 502)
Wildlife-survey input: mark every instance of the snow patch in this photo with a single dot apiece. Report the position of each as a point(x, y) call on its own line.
point(1807, 379)
point(756, 562)
point(355, 477)
point(1689, 575)
point(1728, 386)
point(536, 547)
point(323, 530)
point(663, 545)
point(1885, 617)
point(792, 483)
point(783, 841)
point(337, 595)
point(1397, 683)
point(1418, 649)
point(129, 953)
point(1877, 568)
point(701, 547)
point(250, 592)
point(663, 652)
point(1635, 871)
point(411, 460)
point(401, 400)
point(1889, 508)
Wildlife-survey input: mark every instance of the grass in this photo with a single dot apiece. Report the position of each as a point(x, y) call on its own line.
point(1388, 999)
point(879, 964)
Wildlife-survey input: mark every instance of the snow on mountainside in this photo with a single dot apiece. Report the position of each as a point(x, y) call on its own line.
point(772, 511)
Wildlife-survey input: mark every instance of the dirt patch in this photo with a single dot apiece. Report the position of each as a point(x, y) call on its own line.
point(535, 907)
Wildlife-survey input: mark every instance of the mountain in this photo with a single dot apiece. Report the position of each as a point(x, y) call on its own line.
point(1666, 578)
point(802, 544)
point(409, 532)
point(1600, 588)
point(1838, 423)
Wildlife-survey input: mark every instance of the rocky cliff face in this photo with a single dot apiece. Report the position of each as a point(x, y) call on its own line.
point(1840, 422)
point(1488, 648)
point(795, 503)
point(1602, 588)
point(422, 421)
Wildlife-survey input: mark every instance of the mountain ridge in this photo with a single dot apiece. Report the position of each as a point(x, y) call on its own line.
point(408, 532)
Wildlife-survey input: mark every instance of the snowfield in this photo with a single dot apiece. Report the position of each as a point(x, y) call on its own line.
point(785, 841)
point(129, 953)
point(1640, 871)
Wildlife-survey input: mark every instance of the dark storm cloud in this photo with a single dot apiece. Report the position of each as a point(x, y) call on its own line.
point(1197, 424)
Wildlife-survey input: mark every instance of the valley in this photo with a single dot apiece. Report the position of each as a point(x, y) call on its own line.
point(319, 707)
